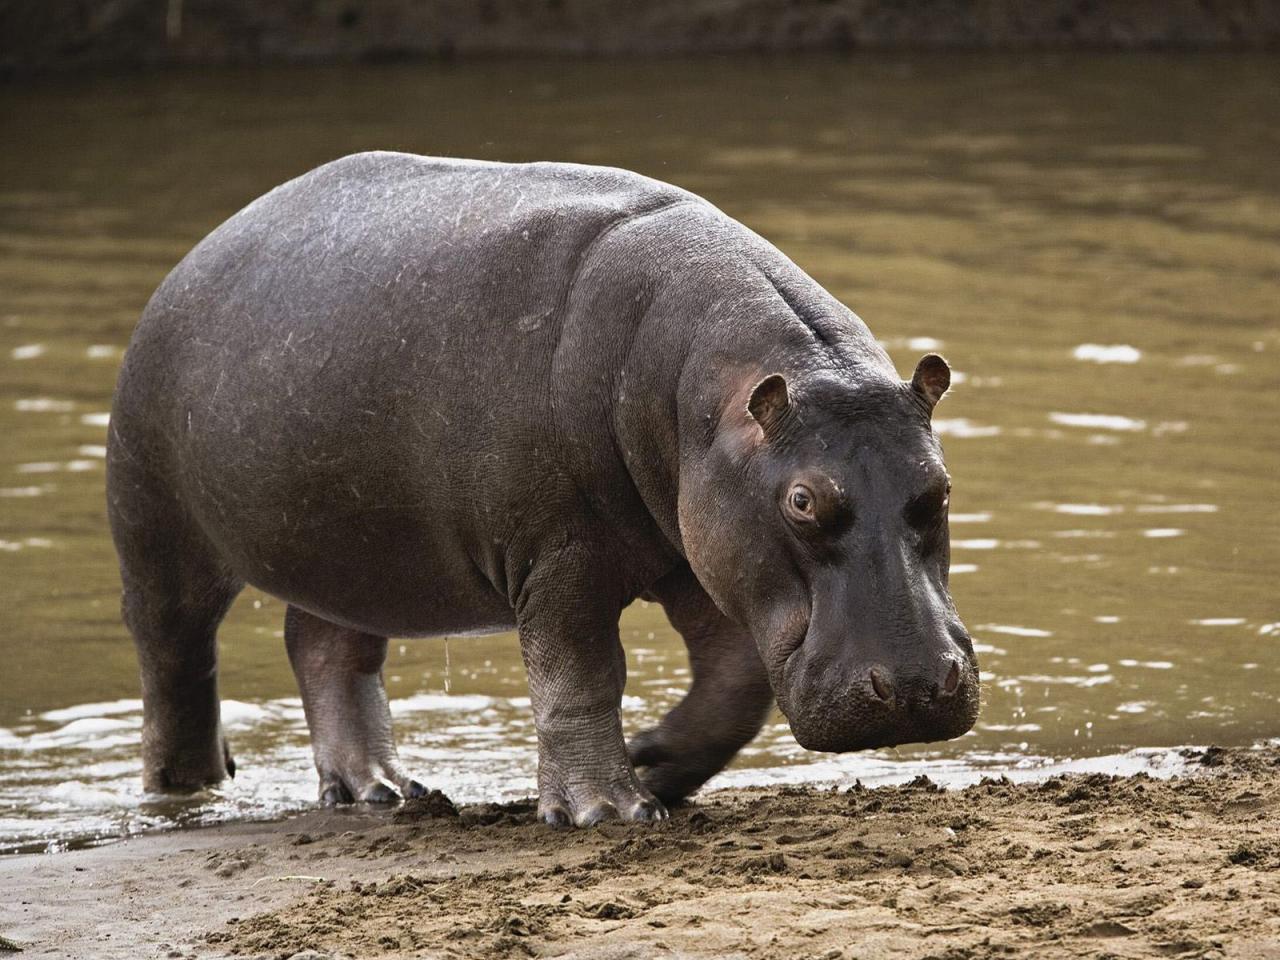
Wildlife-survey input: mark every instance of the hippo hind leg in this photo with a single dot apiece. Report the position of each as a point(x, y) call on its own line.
point(175, 593)
point(725, 706)
point(339, 673)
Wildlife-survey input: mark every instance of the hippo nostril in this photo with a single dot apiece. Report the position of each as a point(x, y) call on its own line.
point(881, 685)
point(950, 684)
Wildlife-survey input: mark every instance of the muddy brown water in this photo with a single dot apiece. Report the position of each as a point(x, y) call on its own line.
point(1093, 242)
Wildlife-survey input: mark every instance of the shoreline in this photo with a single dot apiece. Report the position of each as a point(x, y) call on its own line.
point(1072, 866)
point(194, 813)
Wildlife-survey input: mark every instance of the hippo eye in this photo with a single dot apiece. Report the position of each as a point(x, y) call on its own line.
point(801, 500)
point(929, 508)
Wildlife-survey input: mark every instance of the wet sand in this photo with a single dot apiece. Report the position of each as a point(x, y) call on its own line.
point(1075, 866)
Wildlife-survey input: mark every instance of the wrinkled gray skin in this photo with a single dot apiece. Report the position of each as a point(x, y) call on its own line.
point(414, 397)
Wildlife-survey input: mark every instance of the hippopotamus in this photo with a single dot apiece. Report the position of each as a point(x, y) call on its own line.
point(413, 397)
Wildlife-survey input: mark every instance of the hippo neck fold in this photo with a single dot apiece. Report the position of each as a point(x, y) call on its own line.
point(725, 310)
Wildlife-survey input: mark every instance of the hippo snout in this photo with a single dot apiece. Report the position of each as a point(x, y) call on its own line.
point(883, 705)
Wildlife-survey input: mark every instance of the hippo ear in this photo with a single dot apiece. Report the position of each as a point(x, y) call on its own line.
point(769, 402)
point(931, 379)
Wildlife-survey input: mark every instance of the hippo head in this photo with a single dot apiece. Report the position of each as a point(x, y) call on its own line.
point(818, 519)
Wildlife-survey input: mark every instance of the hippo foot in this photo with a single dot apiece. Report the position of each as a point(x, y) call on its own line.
point(378, 784)
point(673, 772)
point(178, 772)
point(585, 805)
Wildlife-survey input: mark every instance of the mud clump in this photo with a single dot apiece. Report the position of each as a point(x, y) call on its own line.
point(432, 806)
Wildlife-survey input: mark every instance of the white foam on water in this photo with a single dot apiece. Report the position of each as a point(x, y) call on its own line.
point(964, 429)
point(1070, 681)
point(93, 726)
point(923, 343)
point(105, 709)
point(1098, 421)
point(53, 466)
point(43, 405)
point(1014, 631)
point(10, 739)
point(1100, 353)
point(78, 793)
point(1088, 509)
point(237, 713)
point(424, 702)
point(478, 730)
point(15, 492)
point(911, 343)
point(89, 727)
point(96, 734)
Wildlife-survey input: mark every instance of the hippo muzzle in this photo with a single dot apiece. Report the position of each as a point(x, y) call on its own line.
point(884, 695)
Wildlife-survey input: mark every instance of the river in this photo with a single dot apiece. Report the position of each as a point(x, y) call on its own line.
point(1093, 242)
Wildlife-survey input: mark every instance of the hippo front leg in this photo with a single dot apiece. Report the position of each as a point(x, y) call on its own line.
point(576, 669)
point(724, 708)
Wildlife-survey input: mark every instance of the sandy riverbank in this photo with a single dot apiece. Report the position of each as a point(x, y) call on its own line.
point(1078, 866)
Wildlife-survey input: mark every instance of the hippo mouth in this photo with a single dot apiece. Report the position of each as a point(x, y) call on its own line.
point(782, 658)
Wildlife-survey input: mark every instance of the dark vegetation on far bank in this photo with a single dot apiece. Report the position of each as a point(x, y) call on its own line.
point(44, 35)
